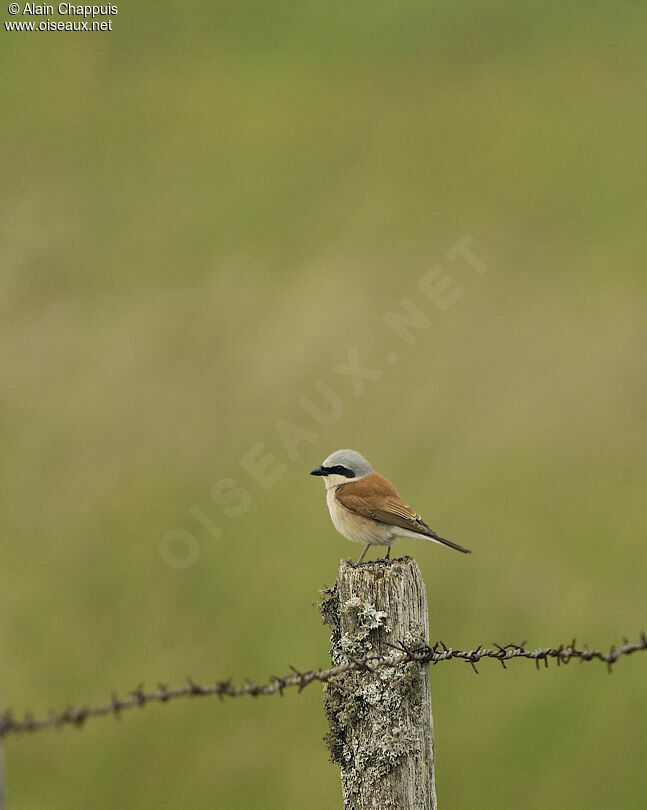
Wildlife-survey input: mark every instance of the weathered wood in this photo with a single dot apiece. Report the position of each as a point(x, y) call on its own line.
point(381, 728)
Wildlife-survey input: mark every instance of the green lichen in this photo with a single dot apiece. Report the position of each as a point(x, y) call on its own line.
point(372, 709)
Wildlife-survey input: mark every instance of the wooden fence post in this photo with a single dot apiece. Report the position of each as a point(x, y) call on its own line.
point(381, 728)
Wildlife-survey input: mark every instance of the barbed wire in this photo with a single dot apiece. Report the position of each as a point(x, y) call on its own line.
point(77, 715)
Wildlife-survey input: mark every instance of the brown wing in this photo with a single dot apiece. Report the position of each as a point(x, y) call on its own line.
point(374, 496)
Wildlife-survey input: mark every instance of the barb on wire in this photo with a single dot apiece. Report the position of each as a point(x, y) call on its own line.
point(403, 654)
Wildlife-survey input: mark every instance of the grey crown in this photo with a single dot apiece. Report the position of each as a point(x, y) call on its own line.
point(350, 459)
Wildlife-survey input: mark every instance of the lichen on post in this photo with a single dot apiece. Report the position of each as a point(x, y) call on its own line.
point(381, 729)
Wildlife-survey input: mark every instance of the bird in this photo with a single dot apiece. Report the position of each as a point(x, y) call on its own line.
point(365, 506)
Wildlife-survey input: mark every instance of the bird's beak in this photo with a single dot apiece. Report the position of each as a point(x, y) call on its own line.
point(318, 471)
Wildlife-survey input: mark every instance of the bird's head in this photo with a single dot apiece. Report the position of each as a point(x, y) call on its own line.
point(342, 466)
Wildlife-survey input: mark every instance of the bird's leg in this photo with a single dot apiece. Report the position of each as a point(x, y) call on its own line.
point(361, 556)
point(387, 556)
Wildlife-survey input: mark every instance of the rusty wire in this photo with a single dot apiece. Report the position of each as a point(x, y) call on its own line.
point(77, 715)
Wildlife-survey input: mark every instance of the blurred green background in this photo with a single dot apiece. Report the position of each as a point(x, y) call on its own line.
point(204, 211)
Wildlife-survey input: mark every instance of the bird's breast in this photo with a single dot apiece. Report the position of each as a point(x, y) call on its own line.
point(355, 527)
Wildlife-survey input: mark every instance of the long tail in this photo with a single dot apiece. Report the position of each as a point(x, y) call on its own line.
point(436, 538)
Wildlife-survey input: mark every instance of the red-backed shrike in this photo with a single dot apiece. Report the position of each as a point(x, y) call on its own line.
point(365, 506)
